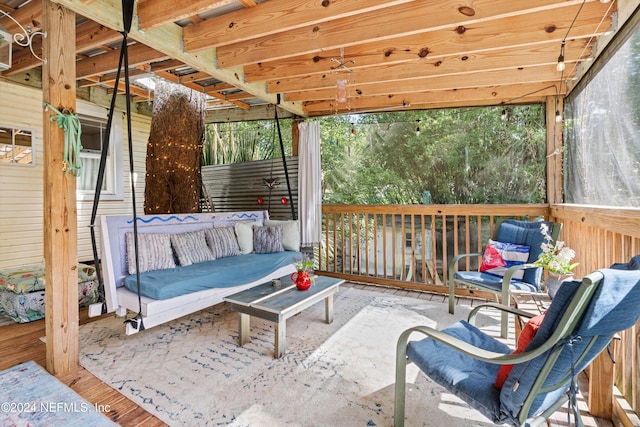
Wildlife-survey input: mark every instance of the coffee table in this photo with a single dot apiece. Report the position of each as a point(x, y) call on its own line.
point(279, 300)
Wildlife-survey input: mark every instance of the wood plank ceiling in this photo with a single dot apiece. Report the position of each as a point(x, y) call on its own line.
point(391, 54)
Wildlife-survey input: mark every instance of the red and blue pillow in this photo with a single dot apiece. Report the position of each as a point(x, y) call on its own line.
point(499, 256)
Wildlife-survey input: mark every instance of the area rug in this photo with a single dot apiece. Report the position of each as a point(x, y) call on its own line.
point(192, 371)
point(30, 396)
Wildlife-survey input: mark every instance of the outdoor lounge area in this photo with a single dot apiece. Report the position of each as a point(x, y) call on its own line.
point(219, 357)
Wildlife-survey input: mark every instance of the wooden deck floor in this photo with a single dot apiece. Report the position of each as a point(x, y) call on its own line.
point(20, 343)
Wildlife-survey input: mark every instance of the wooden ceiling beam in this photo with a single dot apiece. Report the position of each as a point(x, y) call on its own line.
point(30, 15)
point(175, 79)
point(496, 95)
point(273, 17)
point(460, 81)
point(505, 59)
point(374, 27)
point(154, 13)
point(168, 40)
point(218, 87)
point(516, 32)
point(108, 62)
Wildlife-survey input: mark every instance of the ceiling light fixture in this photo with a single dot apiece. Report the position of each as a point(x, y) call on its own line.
point(24, 39)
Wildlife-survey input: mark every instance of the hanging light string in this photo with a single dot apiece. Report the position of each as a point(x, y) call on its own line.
point(70, 124)
point(561, 64)
point(588, 44)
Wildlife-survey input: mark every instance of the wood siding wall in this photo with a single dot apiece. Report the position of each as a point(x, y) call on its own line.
point(21, 187)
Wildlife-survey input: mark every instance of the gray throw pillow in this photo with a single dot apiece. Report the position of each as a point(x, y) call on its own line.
point(191, 247)
point(267, 240)
point(154, 252)
point(222, 241)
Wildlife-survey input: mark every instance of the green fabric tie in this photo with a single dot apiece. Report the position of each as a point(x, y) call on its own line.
point(70, 124)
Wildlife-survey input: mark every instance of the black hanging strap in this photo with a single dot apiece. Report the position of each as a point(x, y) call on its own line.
point(123, 62)
point(284, 162)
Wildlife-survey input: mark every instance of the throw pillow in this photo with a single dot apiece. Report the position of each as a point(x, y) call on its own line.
point(191, 247)
point(528, 332)
point(222, 242)
point(499, 256)
point(244, 234)
point(154, 252)
point(290, 233)
point(267, 240)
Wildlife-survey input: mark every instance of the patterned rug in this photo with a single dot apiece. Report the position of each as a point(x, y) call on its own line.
point(30, 396)
point(192, 371)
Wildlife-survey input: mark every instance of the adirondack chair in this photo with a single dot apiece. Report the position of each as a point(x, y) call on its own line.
point(580, 323)
point(524, 276)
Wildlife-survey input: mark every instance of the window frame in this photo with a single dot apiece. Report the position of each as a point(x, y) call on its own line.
point(114, 169)
point(15, 128)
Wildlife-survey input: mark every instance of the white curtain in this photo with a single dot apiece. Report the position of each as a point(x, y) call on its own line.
point(309, 179)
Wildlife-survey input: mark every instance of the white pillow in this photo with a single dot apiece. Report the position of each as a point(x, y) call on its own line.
point(290, 233)
point(244, 234)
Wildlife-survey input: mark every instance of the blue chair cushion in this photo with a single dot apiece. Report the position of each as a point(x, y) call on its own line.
point(615, 306)
point(493, 282)
point(468, 378)
point(525, 233)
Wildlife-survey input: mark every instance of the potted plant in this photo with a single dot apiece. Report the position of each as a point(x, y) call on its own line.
point(304, 270)
point(556, 259)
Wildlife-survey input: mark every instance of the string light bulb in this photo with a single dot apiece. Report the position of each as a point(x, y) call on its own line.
point(560, 66)
point(558, 116)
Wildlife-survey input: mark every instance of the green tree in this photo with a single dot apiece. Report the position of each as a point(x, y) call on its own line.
point(468, 155)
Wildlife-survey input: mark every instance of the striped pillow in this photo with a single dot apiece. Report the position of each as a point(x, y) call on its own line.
point(154, 252)
point(191, 247)
point(222, 242)
point(267, 240)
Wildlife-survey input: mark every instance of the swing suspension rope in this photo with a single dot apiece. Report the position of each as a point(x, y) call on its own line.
point(123, 63)
point(70, 124)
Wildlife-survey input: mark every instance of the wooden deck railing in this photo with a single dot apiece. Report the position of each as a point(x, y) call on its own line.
point(408, 246)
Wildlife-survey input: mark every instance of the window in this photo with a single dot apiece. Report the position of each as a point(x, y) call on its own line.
point(94, 131)
point(16, 146)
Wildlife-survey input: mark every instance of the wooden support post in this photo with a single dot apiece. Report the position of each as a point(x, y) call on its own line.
point(60, 228)
point(554, 150)
point(295, 138)
point(601, 387)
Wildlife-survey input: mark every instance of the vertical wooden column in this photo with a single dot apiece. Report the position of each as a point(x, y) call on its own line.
point(554, 150)
point(60, 228)
point(295, 138)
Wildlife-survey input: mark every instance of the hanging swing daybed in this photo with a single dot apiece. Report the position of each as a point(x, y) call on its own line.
point(216, 254)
